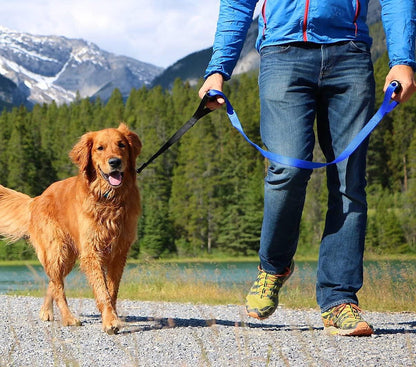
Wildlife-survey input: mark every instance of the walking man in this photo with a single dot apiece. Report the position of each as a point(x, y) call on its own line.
point(315, 64)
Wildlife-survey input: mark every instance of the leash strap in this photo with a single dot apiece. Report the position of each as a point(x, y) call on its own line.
point(199, 113)
point(385, 108)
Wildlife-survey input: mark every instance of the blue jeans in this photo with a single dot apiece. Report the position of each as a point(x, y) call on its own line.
point(334, 85)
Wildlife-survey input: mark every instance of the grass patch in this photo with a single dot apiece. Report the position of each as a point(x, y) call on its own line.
point(387, 286)
point(153, 283)
point(387, 289)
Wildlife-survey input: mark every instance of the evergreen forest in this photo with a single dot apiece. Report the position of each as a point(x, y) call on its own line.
point(205, 195)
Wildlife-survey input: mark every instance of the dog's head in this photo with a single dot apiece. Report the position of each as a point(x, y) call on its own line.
point(107, 155)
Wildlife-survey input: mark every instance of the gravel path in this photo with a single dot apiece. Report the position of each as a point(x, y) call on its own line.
point(173, 334)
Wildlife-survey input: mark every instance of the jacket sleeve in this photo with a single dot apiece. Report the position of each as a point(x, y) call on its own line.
point(234, 20)
point(399, 21)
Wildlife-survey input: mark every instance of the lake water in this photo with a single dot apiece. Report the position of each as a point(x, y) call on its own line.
point(228, 274)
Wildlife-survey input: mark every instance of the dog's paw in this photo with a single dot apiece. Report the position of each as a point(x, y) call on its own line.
point(113, 328)
point(46, 314)
point(71, 322)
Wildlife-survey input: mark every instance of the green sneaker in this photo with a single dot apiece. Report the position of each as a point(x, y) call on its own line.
point(346, 319)
point(263, 297)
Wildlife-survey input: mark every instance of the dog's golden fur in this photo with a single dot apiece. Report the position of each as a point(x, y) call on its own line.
point(92, 216)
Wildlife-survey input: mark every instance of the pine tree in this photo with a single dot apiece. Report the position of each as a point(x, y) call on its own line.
point(193, 202)
point(5, 130)
point(113, 112)
point(153, 126)
point(378, 169)
point(22, 156)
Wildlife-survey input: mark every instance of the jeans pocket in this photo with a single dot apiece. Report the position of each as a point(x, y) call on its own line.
point(361, 47)
point(275, 49)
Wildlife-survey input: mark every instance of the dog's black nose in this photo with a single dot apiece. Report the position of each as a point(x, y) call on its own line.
point(114, 162)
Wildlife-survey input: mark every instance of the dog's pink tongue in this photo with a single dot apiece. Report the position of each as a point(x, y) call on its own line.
point(115, 178)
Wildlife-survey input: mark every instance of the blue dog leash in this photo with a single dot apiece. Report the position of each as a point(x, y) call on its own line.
point(202, 110)
point(385, 108)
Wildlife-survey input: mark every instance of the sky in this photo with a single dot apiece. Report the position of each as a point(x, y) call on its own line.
point(159, 32)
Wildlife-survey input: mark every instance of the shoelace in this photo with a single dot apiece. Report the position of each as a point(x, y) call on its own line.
point(353, 311)
point(270, 284)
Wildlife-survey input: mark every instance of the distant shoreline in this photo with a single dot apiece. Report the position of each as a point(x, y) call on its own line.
point(219, 259)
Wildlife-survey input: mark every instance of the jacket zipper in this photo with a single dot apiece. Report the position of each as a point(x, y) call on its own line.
point(357, 13)
point(305, 22)
point(263, 14)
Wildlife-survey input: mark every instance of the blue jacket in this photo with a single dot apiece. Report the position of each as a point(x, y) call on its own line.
point(318, 21)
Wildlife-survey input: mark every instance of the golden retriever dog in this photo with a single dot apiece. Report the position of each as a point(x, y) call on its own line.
point(91, 217)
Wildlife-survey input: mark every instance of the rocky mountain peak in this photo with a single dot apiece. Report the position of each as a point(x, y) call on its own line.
point(46, 68)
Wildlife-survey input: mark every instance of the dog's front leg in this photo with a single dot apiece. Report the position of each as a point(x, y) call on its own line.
point(92, 267)
point(114, 273)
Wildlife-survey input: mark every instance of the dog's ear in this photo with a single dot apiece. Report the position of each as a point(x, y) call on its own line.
point(133, 139)
point(81, 152)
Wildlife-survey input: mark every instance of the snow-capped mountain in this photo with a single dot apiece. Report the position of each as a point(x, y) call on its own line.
point(46, 68)
point(39, 69)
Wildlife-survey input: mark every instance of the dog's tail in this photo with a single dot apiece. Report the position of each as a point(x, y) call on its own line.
point(14, 214)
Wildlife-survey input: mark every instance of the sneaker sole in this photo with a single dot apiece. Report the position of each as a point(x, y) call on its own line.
point(362, 329)
point(254, 315)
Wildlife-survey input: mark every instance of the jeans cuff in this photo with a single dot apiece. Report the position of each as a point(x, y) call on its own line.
point(337, 303)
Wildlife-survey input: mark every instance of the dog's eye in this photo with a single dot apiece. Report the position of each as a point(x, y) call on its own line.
point(100, 147)
point(121, 145)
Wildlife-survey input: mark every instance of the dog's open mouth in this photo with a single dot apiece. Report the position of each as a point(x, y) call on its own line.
point(114, 178)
